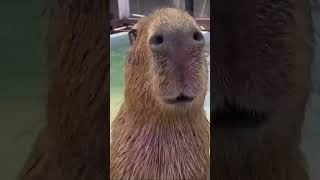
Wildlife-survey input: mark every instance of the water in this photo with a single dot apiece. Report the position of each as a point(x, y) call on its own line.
point(119, 45)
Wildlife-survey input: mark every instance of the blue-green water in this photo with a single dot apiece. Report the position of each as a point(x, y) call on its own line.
point(119, 46)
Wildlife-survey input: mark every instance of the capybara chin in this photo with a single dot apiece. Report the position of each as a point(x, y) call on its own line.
point(261, 74)
point(161, 131)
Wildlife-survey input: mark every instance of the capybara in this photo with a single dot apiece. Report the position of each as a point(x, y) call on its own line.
point(262, 54)
point(72, 145)
point(161, 131)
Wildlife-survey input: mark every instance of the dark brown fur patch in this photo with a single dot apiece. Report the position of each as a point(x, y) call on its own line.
point(261, 77)
point(72, 145)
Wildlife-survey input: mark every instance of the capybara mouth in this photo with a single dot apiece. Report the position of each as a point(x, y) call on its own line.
point(179, 99)
point(232, 116)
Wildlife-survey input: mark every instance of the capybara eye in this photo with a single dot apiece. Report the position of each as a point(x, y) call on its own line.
point(197, 36)
point(156, 40)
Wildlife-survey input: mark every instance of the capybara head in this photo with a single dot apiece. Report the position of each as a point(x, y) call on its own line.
point(167, 61)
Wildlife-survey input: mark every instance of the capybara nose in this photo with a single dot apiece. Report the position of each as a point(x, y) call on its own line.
point(197, 36)
point(176, 41)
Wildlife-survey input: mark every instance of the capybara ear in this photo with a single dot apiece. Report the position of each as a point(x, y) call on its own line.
point(132, 35)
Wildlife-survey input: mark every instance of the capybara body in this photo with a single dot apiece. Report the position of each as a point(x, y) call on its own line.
point(72, 144)
point(261, 76)
point(161, 131)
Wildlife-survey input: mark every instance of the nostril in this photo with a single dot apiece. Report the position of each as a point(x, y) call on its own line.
point(197, 36)
point(156, 40)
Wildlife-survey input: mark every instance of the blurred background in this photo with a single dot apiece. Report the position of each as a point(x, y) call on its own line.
point(311, 131)
point(23, 81)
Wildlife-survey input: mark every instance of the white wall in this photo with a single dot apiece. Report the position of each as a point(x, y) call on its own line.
point(124, 11)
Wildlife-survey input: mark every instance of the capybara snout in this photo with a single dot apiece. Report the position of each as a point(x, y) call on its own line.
point(178, 66)
point(179, 41)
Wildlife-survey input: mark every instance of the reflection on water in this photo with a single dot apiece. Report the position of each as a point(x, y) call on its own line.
point(119, 46)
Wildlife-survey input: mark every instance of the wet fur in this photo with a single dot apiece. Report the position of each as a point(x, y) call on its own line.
point(262, 55)
point(149, 139)
point(72, 145)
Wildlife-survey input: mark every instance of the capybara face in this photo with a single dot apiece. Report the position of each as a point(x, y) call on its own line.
point(176, 64)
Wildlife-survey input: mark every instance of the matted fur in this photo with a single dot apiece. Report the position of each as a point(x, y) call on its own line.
point(72, 145)
point(150, 139)
point(262, 55)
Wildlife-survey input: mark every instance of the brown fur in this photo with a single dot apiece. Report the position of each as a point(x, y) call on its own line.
point(150, 139)
point(261, 74)
point(72, 145)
